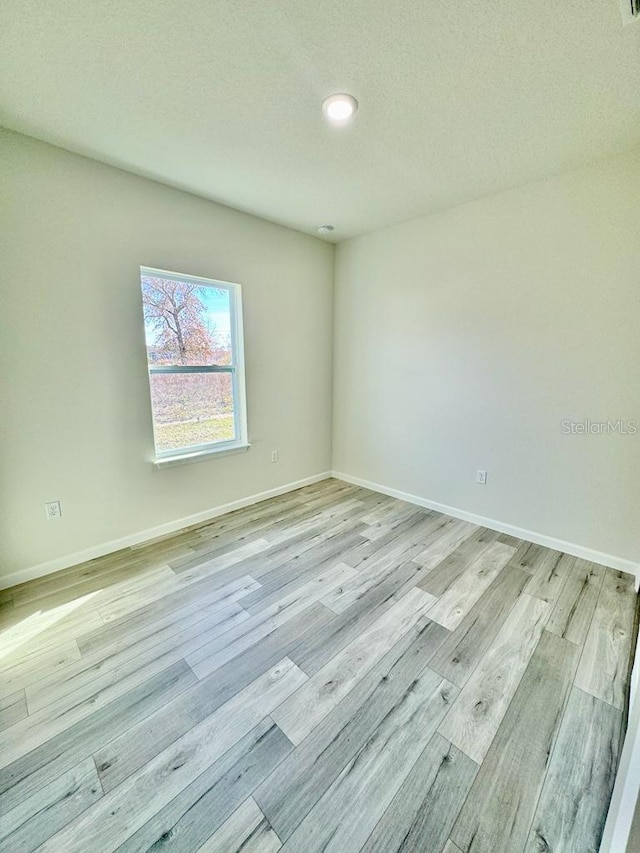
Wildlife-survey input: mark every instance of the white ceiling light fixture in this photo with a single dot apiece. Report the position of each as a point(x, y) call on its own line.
point(326, 229)
point(339, 109)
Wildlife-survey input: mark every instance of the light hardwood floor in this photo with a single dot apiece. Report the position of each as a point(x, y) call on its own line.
point(330, 670)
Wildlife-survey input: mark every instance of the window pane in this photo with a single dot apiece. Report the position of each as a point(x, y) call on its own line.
point(186, 323)
point(191, 409)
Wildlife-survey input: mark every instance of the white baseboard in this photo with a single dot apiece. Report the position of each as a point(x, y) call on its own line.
point(68, 560)
point(610, 560)
point(627, 785)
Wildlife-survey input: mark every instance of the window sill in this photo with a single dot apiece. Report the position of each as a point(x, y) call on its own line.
point(201, 455)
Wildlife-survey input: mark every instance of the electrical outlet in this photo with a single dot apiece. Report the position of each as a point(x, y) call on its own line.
point(275, 456)
point(481, 477)
point(53, 510)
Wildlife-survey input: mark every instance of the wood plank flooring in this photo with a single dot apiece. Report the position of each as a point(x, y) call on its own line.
point(330, 670)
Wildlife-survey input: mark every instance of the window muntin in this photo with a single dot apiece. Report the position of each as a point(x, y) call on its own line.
point(193, 332)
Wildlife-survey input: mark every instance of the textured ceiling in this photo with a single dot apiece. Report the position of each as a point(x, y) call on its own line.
point(222, 97)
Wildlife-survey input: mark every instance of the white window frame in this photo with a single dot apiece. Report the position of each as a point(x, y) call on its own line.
point(240, 441)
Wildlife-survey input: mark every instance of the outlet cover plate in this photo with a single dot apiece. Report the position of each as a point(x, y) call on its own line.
point(53, 510)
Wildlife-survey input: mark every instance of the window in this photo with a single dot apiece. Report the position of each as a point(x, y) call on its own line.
point(193, 330)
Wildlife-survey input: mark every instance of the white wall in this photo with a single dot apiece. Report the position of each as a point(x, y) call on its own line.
point(462, 340)
point(74, 409)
